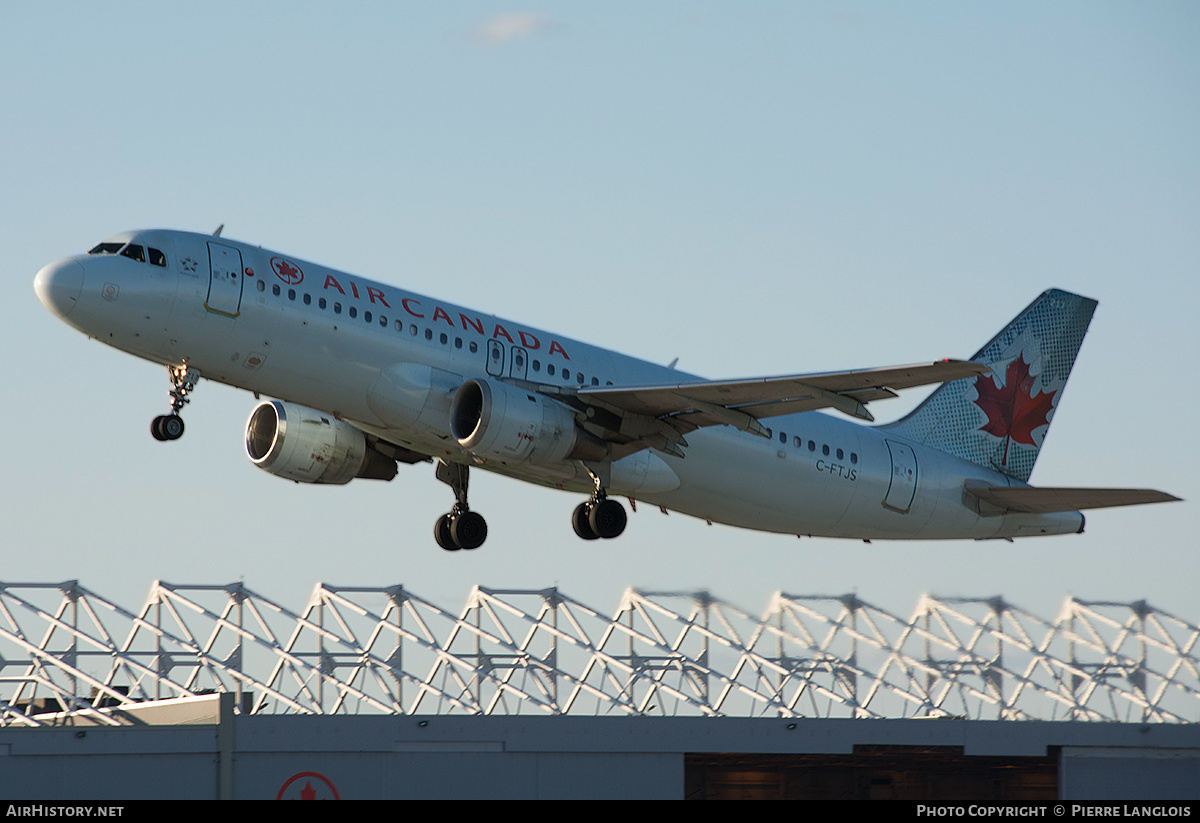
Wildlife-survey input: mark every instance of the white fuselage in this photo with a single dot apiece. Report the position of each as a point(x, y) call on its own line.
point(389, 361)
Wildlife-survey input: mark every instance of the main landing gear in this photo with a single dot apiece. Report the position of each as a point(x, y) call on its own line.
point(599, 517)
point(461, 528)
point(170, 426)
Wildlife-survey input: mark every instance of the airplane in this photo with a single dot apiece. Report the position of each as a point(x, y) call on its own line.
point(369, 376)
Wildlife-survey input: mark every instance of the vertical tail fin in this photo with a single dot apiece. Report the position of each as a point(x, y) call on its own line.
point(999, 420)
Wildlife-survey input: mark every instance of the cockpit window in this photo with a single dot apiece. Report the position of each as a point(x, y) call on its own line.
point(134, 252)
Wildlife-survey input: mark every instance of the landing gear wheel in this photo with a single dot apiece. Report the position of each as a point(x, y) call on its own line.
point(579, 522)
point(469, 530)
point(167, 427)
point(441, 533)
point(172, 427)
point(460, 530)
point(607, 518)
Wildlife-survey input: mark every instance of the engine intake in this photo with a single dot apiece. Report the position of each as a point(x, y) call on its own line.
point(503, 422)
point(309, 446)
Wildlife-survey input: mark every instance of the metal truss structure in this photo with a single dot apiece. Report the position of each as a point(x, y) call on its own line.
point(66, 650)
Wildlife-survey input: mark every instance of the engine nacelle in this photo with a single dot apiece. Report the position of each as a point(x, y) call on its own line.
point(499, 421)
point(309, 446)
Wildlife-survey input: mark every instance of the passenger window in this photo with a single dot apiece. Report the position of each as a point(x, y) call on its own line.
point(321, 304)
point(550, 369)
point(537, 365)
point(261, 286)
point(839, 454)
point(854, 458)
point(429, 334)
point(474, 347)
point(797, 441)
point(595, 381)
point(307, 299)
point(825, 449)
point(157, 258)
point(812, 445)
point(382, 322)
point(367, 316)
point(353, 311)
point(337, 307)
point(442, 338)
point(134, 252)
point(291, 294)
point(399, 326)
point(458, 342)
point(275, 290)
point(783, 437)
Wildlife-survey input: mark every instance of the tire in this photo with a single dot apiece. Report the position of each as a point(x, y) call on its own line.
point(579, 522)
point(172, 427)
point(156, 429)
point(607, 518)
point(469, 530)
point(441, 533)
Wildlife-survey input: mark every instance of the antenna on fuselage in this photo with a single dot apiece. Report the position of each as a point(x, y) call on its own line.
point(673, 362)
point(220, 228)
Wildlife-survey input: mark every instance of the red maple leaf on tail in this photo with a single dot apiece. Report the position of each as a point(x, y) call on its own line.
point(1012, 410)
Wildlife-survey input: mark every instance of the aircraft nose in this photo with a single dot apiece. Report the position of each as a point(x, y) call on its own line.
point(58, 286)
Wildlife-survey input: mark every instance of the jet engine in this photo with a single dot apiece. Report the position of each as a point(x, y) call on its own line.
point(309, 446)
point(502, 422)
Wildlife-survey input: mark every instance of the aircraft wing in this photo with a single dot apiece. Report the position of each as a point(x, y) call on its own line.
point(671, 410)
point(1046, 500)
point(763, 397)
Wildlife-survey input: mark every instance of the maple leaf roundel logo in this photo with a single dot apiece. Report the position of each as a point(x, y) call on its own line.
point(286, 271)
point(1013, 412)
point(308, 786)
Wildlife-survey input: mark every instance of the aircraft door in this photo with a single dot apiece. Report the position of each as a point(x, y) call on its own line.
point(518, 363)
point(903, 485)
point(495, 356)
point(224, 280)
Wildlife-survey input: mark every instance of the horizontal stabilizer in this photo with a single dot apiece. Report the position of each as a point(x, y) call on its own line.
point(1046, 500)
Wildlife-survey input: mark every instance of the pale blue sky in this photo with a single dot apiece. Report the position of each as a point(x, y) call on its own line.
point(756, 188)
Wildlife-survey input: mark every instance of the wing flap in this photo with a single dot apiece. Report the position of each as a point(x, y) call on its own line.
point(1045, 500)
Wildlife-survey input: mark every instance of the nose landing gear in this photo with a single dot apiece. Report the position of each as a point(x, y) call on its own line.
point(170, 426)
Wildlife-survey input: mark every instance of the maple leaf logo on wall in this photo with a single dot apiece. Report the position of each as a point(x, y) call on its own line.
point(1012, 410)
